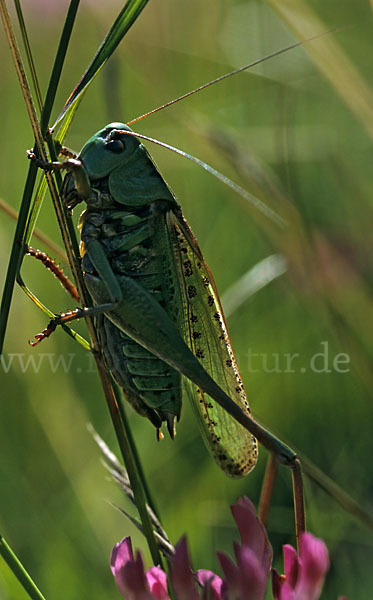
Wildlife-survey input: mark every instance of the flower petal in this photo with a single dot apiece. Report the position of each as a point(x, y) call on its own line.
point(121, 554)
point(157, 582)
point(129, 572)
point(277, 584)
point(314, 559)
point(133, 582)
point(253, 578)
point(229, 568)
point(247, 580)
point(287, 592)
point(251, 529)
point(292, 565)
point(211, 582)
point(182, 574)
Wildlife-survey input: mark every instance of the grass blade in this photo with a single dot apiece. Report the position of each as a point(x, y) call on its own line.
point(19, 571)
point(17, 248)
point(16, 252)
point(44, 239)
point(121, 25)
point(30, 60)
point(330, 59)
point(252, 281)
point(58, 64)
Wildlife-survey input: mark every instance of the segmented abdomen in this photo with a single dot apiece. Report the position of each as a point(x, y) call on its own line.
point(150, 385)
point(134, 242)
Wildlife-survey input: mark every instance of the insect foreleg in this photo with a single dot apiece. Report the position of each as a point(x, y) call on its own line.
point(74, 165)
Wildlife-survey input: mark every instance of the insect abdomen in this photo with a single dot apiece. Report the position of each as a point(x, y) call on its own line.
point(150, 385)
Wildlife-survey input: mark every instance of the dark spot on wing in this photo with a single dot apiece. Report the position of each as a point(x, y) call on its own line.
point(192, 292)
point(188, 271)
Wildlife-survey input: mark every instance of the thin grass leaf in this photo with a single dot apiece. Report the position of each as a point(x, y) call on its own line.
point(46, 112)
point(330, 59)
point(58, 64)
point(69, 115)
point(23, 223)
point(39, 235)
point(19, 571)
point(35, 209)
point(165, 545)
point(121, 25)
point(29, 57)
point(125, 443)
point(20, 70)
point(16, 252)
point(119, 475)
point(45, 116)
point(252, 281)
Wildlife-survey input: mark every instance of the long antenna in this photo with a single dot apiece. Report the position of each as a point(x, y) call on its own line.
point(235, 71)
point(259, 204)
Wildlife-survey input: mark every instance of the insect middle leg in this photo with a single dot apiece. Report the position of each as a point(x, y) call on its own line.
point(51, 265)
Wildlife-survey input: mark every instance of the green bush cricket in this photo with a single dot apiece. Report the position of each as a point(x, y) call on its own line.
point(142, 265)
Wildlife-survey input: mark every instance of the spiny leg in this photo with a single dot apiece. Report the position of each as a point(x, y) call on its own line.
point(63, 151)
point(267, 488)
point(298, 494)
point(71, 315)
point(51, 265)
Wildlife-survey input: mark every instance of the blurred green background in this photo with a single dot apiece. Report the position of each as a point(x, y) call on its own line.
point(297, 132)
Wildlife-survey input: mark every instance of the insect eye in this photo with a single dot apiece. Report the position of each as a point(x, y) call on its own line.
point(115, 146)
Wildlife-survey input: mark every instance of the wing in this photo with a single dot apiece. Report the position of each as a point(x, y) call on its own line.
point(205, 331)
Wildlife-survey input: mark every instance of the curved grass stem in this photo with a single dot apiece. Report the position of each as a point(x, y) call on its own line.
point(19, 571)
